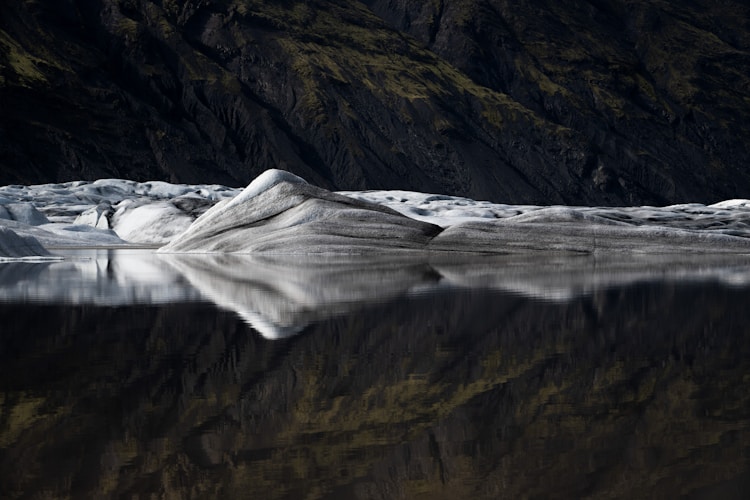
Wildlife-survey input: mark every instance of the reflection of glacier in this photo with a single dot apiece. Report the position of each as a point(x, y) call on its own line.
point(280, 295)
point(562, 278)
point(100, 277)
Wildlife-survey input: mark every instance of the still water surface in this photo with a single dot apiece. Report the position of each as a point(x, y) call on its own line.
point(128, 374)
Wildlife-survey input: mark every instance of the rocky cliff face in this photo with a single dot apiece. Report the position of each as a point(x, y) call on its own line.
point(585, 102)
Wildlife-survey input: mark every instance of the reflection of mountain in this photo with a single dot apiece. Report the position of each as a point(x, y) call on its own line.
point(629, 392)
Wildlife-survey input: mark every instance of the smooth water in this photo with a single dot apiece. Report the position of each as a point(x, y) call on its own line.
point(130, 374)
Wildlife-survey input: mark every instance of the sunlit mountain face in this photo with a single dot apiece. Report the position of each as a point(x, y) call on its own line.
point(543, 102)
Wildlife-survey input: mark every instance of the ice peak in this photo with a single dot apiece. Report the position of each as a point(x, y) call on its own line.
point(264, 182)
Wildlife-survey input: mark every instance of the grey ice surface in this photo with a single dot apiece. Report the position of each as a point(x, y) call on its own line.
point(280, 213)
point(14, 246)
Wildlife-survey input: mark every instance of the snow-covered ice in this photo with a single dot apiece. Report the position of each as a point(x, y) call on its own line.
point(285, 254)
point(155, 222)
point(729, 217)
point(106, 212)
point(280, 213)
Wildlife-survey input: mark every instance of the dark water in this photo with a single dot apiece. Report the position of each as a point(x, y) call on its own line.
point(127, 375)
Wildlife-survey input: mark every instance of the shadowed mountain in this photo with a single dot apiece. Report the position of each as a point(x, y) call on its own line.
point(585, 102)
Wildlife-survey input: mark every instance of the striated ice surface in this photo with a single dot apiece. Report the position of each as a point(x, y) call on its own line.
point(283, 215)
point(25, 213)
point(729, 216)
point(280, 213)
point(264, 182)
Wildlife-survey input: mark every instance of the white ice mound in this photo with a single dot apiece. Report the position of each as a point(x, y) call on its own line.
point(281, 213)
point(264, 182)
point(736, 203)
point(95, 216)
point(150, 223)
point(14, 246)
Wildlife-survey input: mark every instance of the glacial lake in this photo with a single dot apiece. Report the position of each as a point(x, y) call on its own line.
point(125, 373)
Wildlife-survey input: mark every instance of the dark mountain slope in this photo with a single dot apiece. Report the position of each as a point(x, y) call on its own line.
point(660, 90)
point(586, 102)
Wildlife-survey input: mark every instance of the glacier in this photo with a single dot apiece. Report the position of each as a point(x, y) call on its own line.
point(283, 254)
point(281, 213)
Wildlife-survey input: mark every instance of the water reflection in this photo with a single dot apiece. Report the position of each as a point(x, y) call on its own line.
point(281, 295)
point(95, 276)
point(407, 380)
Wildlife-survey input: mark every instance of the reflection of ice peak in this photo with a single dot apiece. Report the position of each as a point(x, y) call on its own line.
point(279, 296)
point(268, 329)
